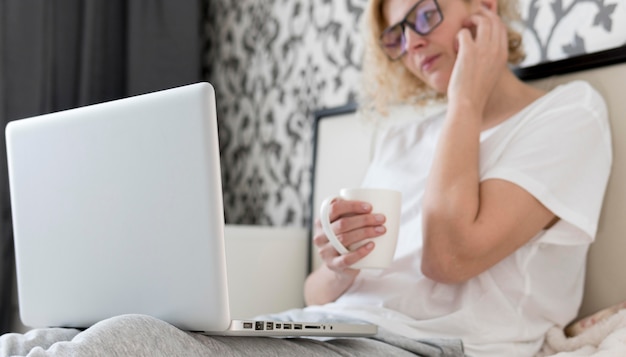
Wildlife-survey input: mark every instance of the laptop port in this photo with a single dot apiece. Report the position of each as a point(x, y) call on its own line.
point(278, 326)
point(269, 325)
point(311, 327)
point(297, 326)
point(258, 325)
point(287, 326)
point(247, 325)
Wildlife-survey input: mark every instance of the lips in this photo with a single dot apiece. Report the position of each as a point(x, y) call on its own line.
point(427, 64)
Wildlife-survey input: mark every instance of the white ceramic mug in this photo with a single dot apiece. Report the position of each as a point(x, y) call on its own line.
point(384, 201)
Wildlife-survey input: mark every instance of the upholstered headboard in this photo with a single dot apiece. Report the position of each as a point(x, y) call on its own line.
point(343, 144)
point(606, 270)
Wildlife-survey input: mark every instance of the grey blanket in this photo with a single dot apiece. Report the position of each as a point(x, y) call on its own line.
point(139, 335)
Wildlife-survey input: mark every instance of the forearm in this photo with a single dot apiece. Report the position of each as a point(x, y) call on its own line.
point(324, 286)
point(451, 200)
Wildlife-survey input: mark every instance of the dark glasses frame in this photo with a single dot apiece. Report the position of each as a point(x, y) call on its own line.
point(413, 26)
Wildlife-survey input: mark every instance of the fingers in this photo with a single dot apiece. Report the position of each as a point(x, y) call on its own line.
point(352, 222)
point(346, 225)
point(481, 57)
point(484, 26)
point(339, 208)
point(482, 44)
point(464, 38)
point(351, 237)
point(497, 29)
point(342, 263)
point(488, 28)
point(351, 230)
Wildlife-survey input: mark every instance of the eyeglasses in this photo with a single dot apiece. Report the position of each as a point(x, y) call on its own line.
point(423, 18)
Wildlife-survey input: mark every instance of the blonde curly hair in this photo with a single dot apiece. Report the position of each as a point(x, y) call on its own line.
point(387, 82)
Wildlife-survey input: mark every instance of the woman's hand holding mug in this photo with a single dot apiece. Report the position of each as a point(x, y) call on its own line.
point(360, 229)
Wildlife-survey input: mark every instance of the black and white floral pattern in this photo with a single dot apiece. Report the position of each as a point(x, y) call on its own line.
point(277, 61)
point(558, 29)
point(273, 62)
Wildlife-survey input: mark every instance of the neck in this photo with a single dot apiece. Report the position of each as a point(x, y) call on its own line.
point(509, 96)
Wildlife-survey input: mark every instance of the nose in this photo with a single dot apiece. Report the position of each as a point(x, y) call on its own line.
point(413, 40)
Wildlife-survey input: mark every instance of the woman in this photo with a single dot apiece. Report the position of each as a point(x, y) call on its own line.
point(495, 227)
point(502, 192)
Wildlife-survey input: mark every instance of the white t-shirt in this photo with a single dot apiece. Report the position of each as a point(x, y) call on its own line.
point(559, 150)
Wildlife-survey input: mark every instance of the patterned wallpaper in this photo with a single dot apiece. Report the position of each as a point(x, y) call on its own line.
point(273, 62)
point(278, 61)
point(558, 29)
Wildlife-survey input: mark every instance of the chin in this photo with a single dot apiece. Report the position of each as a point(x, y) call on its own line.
point(440, 85)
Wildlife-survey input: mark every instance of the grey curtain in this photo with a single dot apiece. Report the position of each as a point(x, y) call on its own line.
point(60, 54)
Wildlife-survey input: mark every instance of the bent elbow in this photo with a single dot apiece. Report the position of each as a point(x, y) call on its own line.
point(444, 272)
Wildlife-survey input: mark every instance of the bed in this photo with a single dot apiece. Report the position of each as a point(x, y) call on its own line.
point(277, 282)
point(601, 325)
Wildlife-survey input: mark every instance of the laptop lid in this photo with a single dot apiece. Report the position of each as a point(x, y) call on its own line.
point(117, 208)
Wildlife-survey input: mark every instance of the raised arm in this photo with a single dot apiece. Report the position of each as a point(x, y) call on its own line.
point(470, 225)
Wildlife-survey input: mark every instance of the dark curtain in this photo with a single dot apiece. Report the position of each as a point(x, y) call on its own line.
point(60, 54)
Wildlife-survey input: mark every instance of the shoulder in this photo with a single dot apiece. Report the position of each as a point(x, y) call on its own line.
point(568, 116)
point(569, 106)
point(577, 95)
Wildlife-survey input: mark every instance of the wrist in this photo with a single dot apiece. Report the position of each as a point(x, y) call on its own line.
point(343, 277)
point(465, 107)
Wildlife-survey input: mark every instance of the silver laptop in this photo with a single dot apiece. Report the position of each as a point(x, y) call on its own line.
point(117, 209)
